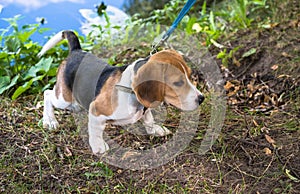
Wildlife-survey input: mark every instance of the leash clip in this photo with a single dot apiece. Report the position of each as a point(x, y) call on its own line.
point(158, 41)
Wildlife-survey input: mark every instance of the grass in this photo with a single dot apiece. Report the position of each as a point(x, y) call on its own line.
point(34, 160)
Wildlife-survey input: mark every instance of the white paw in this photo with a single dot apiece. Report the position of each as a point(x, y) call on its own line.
point(158, 130)
point(99, 146)
point(50, 123)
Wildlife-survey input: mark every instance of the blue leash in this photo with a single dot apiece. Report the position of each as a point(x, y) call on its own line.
point(174, 25)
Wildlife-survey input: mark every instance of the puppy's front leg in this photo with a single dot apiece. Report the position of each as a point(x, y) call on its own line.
point(96, 127)
point(151, 127)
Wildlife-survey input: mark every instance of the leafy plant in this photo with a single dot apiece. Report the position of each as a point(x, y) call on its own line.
point(43, 68)
point(17, 55)
point(102, 171)
point(240, 14)
point(207, 26)
point(21, 70)
point(227, 56)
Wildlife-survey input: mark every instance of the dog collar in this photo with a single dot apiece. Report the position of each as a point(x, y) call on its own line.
point(124, 89)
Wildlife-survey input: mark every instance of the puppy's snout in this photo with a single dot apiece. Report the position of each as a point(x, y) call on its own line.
point(200, 99)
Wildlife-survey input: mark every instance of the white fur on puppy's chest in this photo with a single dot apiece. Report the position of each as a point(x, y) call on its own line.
point(129, 110)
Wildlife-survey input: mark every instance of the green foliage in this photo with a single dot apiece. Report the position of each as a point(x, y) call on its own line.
point(143, 8)
point(241, 13)
point(21, 71)
point(18, 71)
point(43, 68)
point(209, 21)
point(102, 171)
point(206, 25)
point(226, 56)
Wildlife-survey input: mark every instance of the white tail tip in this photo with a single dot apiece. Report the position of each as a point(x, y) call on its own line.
point(51, 43)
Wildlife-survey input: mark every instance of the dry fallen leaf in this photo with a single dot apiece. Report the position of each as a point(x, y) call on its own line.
point(294, 23)
point(285, 54)
point(255, 123)
point(269, 139)
point(232, 87)
point(228, 85)
point(274, 67)
point(267, 151)
point(251, 86)
point(236, 62)
point(68, 152)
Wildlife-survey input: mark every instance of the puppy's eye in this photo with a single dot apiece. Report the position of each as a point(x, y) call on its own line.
point(179, 83)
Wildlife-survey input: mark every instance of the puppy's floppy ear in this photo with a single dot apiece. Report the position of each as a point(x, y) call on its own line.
point(148, 84)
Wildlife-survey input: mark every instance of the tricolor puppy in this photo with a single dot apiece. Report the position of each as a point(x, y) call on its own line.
point(120, 95)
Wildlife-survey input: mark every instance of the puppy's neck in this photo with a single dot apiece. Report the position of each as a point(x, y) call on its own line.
point(128, 74)
point(126, 80)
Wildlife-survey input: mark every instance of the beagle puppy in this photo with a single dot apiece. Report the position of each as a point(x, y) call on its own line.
point(119, 95)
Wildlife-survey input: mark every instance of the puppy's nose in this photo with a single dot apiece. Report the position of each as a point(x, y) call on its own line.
point(200, 99)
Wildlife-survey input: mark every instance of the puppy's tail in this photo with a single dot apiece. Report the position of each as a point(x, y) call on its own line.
point(66, 34)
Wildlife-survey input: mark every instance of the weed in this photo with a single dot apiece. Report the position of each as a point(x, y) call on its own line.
point(104, 171)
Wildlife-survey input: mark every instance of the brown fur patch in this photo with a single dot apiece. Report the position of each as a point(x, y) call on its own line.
point(148, 84)
point(173, 58)
point(107, 100)
point(154, 81)
point(60, 86)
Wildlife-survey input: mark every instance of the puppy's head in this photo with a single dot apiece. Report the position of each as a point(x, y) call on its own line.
point(166, 78)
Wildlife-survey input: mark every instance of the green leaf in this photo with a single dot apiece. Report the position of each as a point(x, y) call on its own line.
point(6, 83)
point(3, 55)
point(222, 54)
point(42, 30)
point(28, 45)
point(12, 44)
point(190, 24)
point(13, 21)
point(203, 10)
point(25, 87)
point(47, 86)
point(26, 35)
point(52, 71)
point(42, 66)
point(212, 21)
point(52, 80)
point(249, 53)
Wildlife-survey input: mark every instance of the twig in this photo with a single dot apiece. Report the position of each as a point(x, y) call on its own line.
point(248, 155)
point(287, 163)
point(253, 143)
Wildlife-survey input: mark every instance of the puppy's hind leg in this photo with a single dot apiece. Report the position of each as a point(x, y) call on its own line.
point(96, 128)
point(51, 101)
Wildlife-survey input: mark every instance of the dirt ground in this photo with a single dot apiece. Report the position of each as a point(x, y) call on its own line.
point(258, 150)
